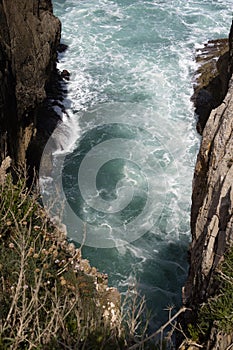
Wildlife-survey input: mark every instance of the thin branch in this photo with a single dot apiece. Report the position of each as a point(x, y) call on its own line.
point(161, 329)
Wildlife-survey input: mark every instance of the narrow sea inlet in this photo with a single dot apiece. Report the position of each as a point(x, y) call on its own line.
point(127, 164)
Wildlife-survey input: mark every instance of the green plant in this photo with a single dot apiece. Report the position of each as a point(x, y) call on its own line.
point(48, 293)
point(217, 310)
point(193, 333)
point(50, 297)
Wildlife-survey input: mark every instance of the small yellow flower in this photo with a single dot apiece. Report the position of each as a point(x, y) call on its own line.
point(30, 251)
point(8, 223)
point(36, 256)
point(55, 253)
point(63, 282)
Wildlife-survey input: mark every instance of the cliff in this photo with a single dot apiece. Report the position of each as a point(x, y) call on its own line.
point(29, 36)
point(212, 79)
point(212, 226)
point(50, 296)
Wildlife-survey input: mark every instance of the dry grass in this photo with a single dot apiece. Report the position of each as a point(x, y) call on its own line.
point(50, 297)
point(48, 293)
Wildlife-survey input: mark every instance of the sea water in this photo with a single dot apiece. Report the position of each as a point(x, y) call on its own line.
point(128, 145)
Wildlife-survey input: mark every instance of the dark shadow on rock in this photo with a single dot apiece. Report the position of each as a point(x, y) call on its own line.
point(47, 118)
point(212, 79)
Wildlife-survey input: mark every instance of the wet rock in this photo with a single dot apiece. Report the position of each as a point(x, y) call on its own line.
point(65, 74)
point(62, 48)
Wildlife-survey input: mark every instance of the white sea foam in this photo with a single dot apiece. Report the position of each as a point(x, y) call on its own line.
point(141, 54)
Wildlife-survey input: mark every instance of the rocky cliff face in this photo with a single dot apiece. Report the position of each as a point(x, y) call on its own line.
point(212, 200)
point(212, 79)
point(212, 208)
point(29, 39)
point(29, 36)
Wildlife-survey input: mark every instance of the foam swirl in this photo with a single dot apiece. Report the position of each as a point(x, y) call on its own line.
point(105, 182)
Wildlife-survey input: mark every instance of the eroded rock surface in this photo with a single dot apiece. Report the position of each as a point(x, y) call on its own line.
point(211, 80)
point(212, 210)
point(29, 36)
point(29, 85)
point(212, 200)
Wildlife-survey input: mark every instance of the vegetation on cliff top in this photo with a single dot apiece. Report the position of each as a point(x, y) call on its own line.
point(218, 310)
point(51, 298)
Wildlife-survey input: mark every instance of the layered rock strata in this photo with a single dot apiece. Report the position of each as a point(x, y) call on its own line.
point(212, 200)
point(212, 210)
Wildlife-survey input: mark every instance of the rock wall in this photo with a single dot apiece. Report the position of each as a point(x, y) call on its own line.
point(212, 200)
point(29, 36)
point(212, 208)
point(212, 79)
point(29, 86)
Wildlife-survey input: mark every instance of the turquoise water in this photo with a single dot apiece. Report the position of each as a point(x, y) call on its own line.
point(129, 144)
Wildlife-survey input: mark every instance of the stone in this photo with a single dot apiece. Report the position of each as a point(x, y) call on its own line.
point(30, 34)
point(62, 47)
point(211, 81)
point(65, 74)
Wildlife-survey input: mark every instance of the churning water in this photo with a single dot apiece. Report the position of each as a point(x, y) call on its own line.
point(129, 143)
